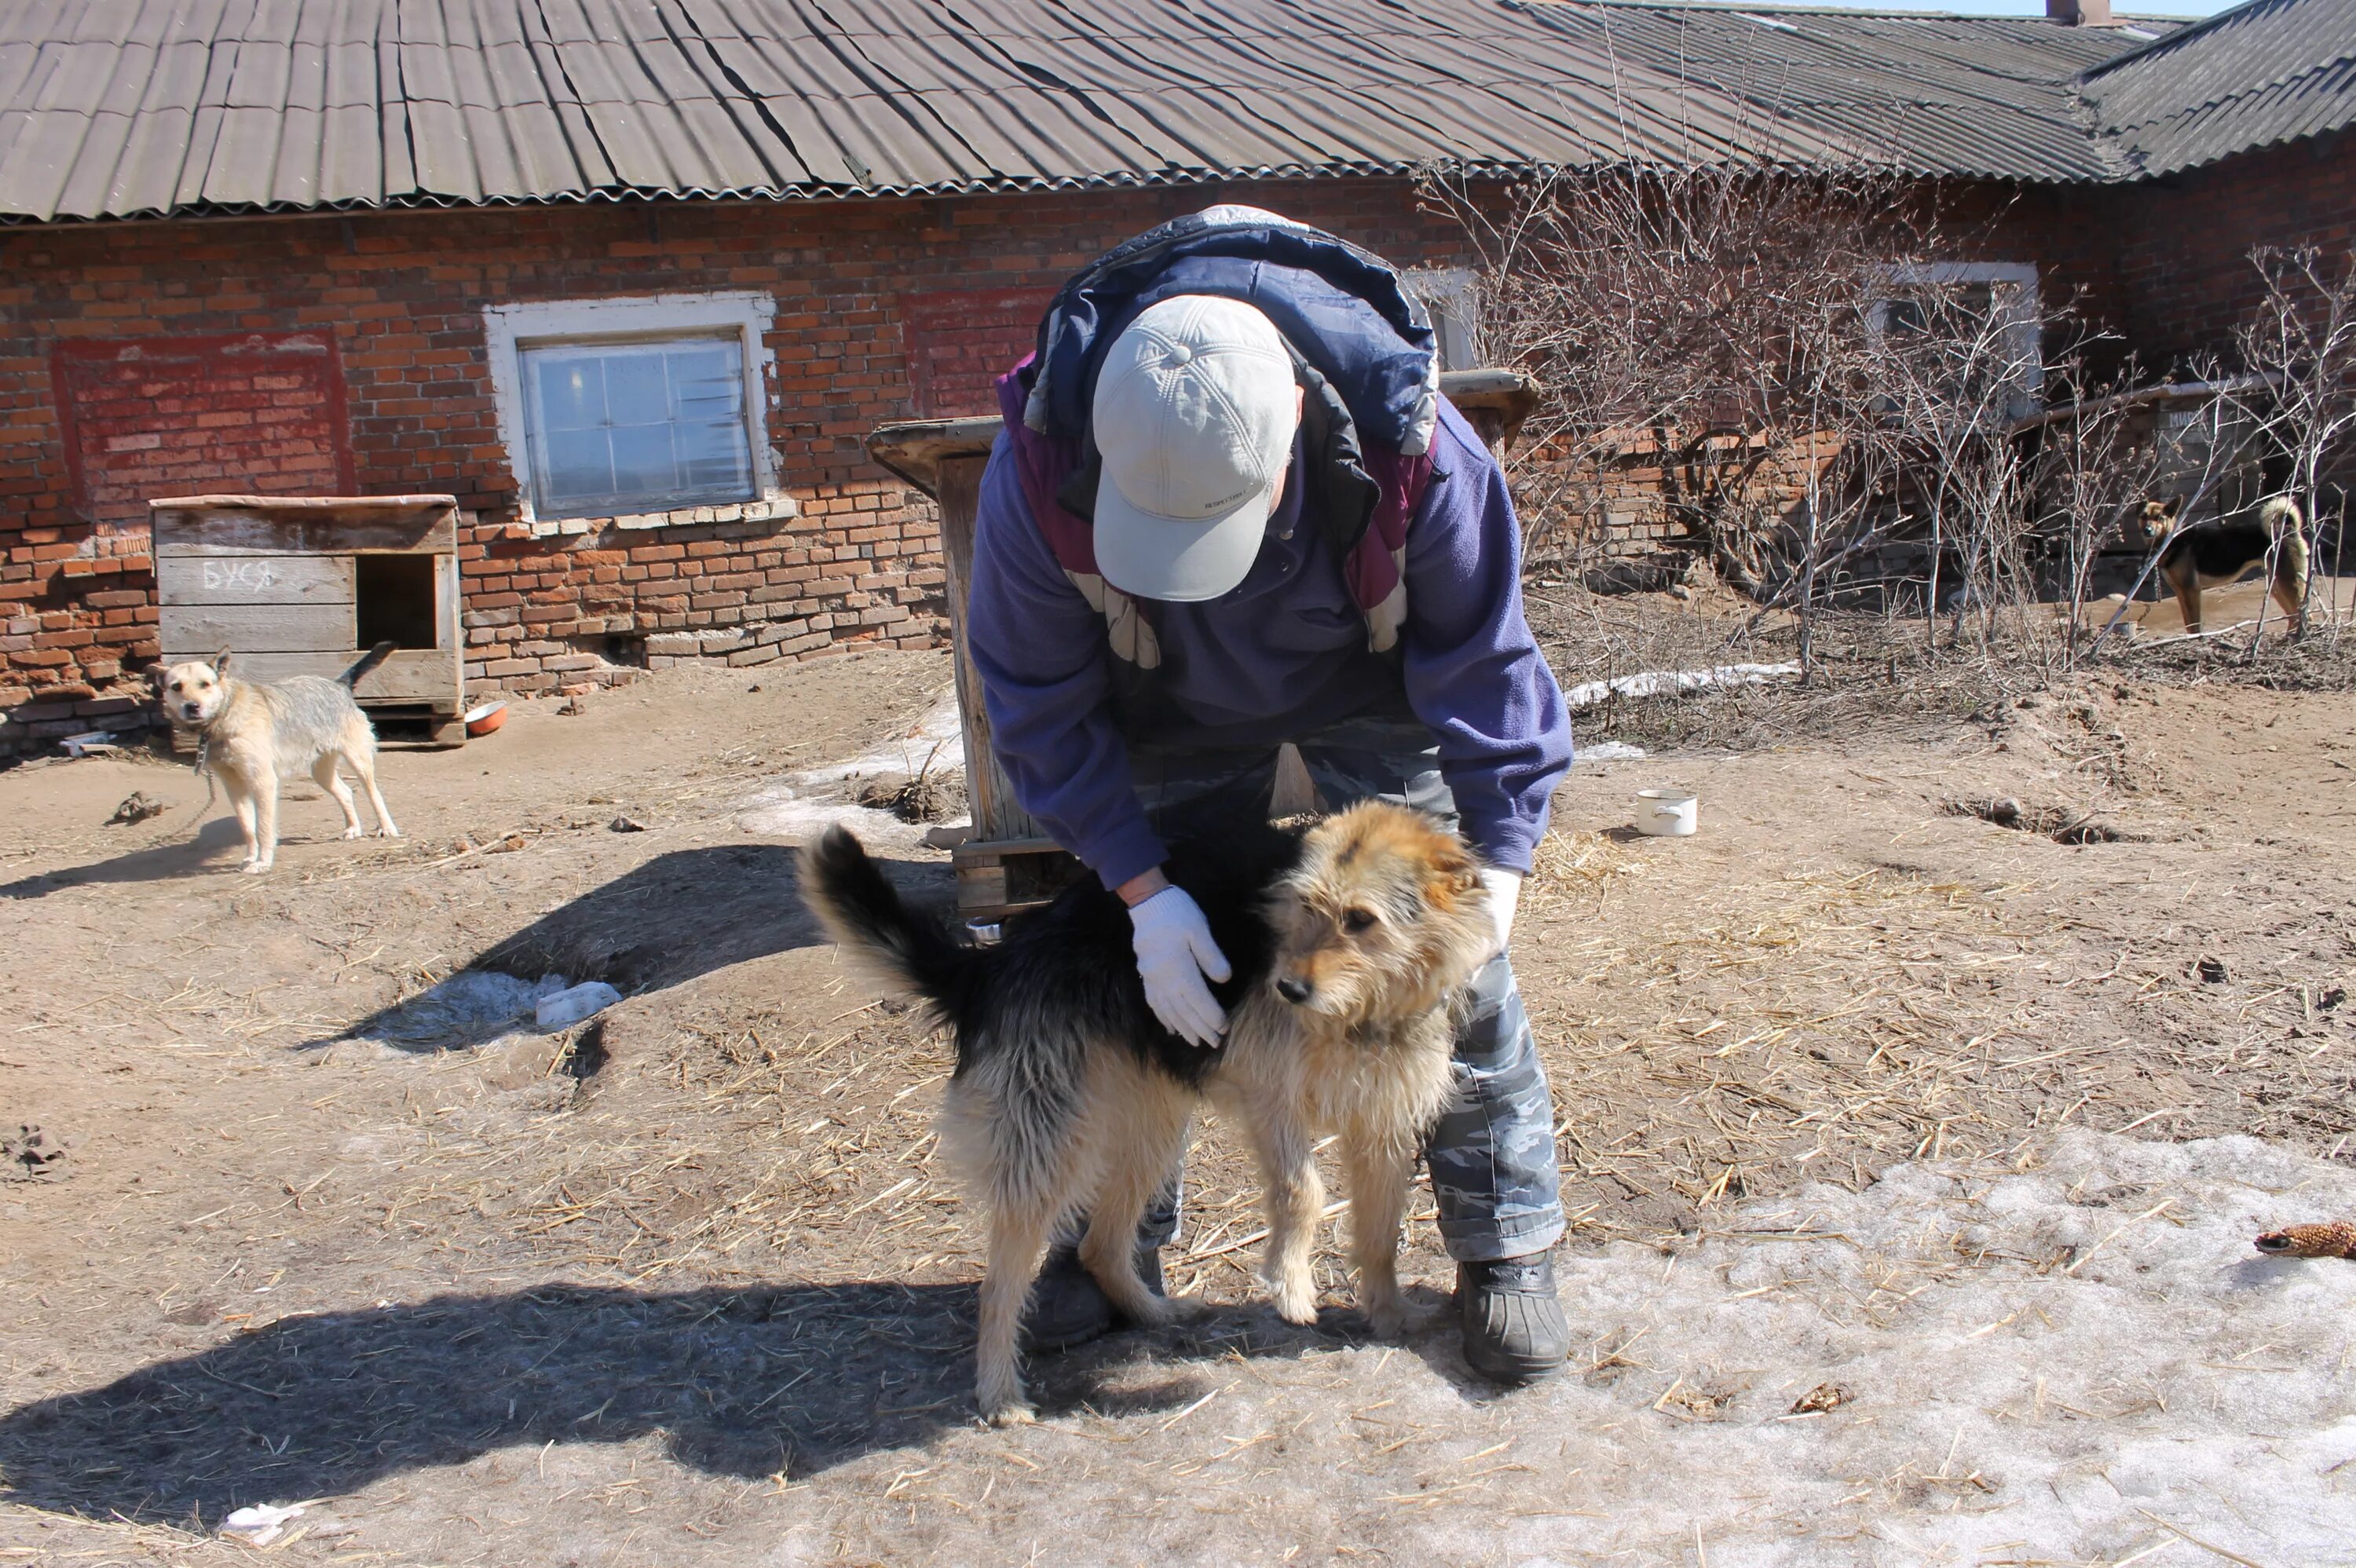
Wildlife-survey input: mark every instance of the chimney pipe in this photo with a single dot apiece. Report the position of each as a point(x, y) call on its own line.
point(2079, 12)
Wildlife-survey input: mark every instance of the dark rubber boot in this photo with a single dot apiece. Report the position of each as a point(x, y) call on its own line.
point(1513, 1327)
point(1068, 1308)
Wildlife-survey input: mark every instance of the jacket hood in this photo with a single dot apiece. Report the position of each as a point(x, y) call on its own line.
point(1341, 308)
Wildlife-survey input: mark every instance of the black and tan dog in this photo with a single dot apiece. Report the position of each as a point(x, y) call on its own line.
point(2223, 549)
point(1351, 944)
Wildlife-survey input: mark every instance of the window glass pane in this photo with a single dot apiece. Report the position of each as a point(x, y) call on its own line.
point(642, 461)
point(712, 456)
point(571, 390)
point(619, 428)
point(575, 467)
point(705, 382)
point(635, 393)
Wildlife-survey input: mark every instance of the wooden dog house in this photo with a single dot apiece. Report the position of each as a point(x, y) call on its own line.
point(303, 585)
point(1008, 864)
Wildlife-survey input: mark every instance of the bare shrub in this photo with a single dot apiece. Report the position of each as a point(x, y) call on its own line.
point(1775, 362)
point(2298, 347)
point(1703, 319)
point(1786, 371)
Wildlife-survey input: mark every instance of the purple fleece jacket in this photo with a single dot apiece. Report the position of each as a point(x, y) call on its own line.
point(1283, 654)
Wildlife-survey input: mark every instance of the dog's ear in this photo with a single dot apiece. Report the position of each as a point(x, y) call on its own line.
point(154, 674)
point(1451, 874)
point(221, 662)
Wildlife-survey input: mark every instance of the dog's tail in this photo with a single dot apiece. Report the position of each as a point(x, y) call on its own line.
point(904, 951)
point(368, 661)
point(2279, 515)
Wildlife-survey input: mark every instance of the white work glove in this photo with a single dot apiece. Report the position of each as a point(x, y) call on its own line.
point(1504, 889)
point(1174, 951)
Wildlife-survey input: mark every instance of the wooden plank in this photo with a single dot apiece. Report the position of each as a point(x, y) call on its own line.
point(205, 524)
point(242, 533)
point(989, 853)
point(981, 890)
point(415, 675)
point(195, 631)
point(916, 450)
point(254, 579)
point(315, 505)
point(449, 612)
point(1494, 403)
point(995, 814)
point(998, 878)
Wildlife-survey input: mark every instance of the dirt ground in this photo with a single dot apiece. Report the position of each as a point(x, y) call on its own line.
point(312, 1222)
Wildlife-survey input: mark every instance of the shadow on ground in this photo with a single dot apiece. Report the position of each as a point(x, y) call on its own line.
point(741, 1382)
point(205, 852)
point(677, 916)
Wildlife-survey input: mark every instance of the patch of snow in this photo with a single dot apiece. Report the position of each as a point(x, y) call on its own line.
point(936, 742)
point(1607, 751)
point(780, 812)
point(1656, 682)
point(471, 1005)
point(259, 1524)
point(2077, 1362)
point(803, 803)
point(563, 1010)
point(475, 1007)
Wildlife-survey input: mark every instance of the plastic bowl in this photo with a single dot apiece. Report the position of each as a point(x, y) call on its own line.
point(486, 717)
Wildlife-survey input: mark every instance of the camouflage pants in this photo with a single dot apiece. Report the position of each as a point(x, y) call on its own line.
point(1492, 1157)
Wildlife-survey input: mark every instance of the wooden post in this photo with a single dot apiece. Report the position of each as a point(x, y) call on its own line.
point(995, 814)
point(1008, 863)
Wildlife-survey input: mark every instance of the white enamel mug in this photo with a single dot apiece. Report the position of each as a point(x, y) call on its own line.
point(1667, 812)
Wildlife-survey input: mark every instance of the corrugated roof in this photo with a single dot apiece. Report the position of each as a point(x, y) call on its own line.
point(1937, 94)
point(117, 109)
point(2270, 71)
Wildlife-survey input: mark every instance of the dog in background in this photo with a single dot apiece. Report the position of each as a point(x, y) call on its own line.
point(1351, 943)
point(254, 734)
point(2214, 553)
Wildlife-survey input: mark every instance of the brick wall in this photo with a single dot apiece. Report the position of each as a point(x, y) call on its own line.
point(138, 417)
point(864, 291)
point(884, 310)
point(2184, 243)
point(961, 340)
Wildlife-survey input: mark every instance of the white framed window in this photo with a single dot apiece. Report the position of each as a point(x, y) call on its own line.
point(641, 412)
point(1964, 299)
point(1451, 297)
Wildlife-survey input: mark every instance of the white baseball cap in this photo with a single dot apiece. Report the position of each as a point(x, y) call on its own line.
point(1194, 415)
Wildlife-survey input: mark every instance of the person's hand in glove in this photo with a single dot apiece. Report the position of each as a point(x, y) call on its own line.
point(1504, 891)
point(1174, 952)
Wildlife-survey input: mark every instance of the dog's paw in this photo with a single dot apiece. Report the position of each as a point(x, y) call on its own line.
point(387, 832)
point(1388, 1319)
point(353, 832)
point(1296, 1300)
point(1160, 1311)
point(254, 868)
point(1014, 1412)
